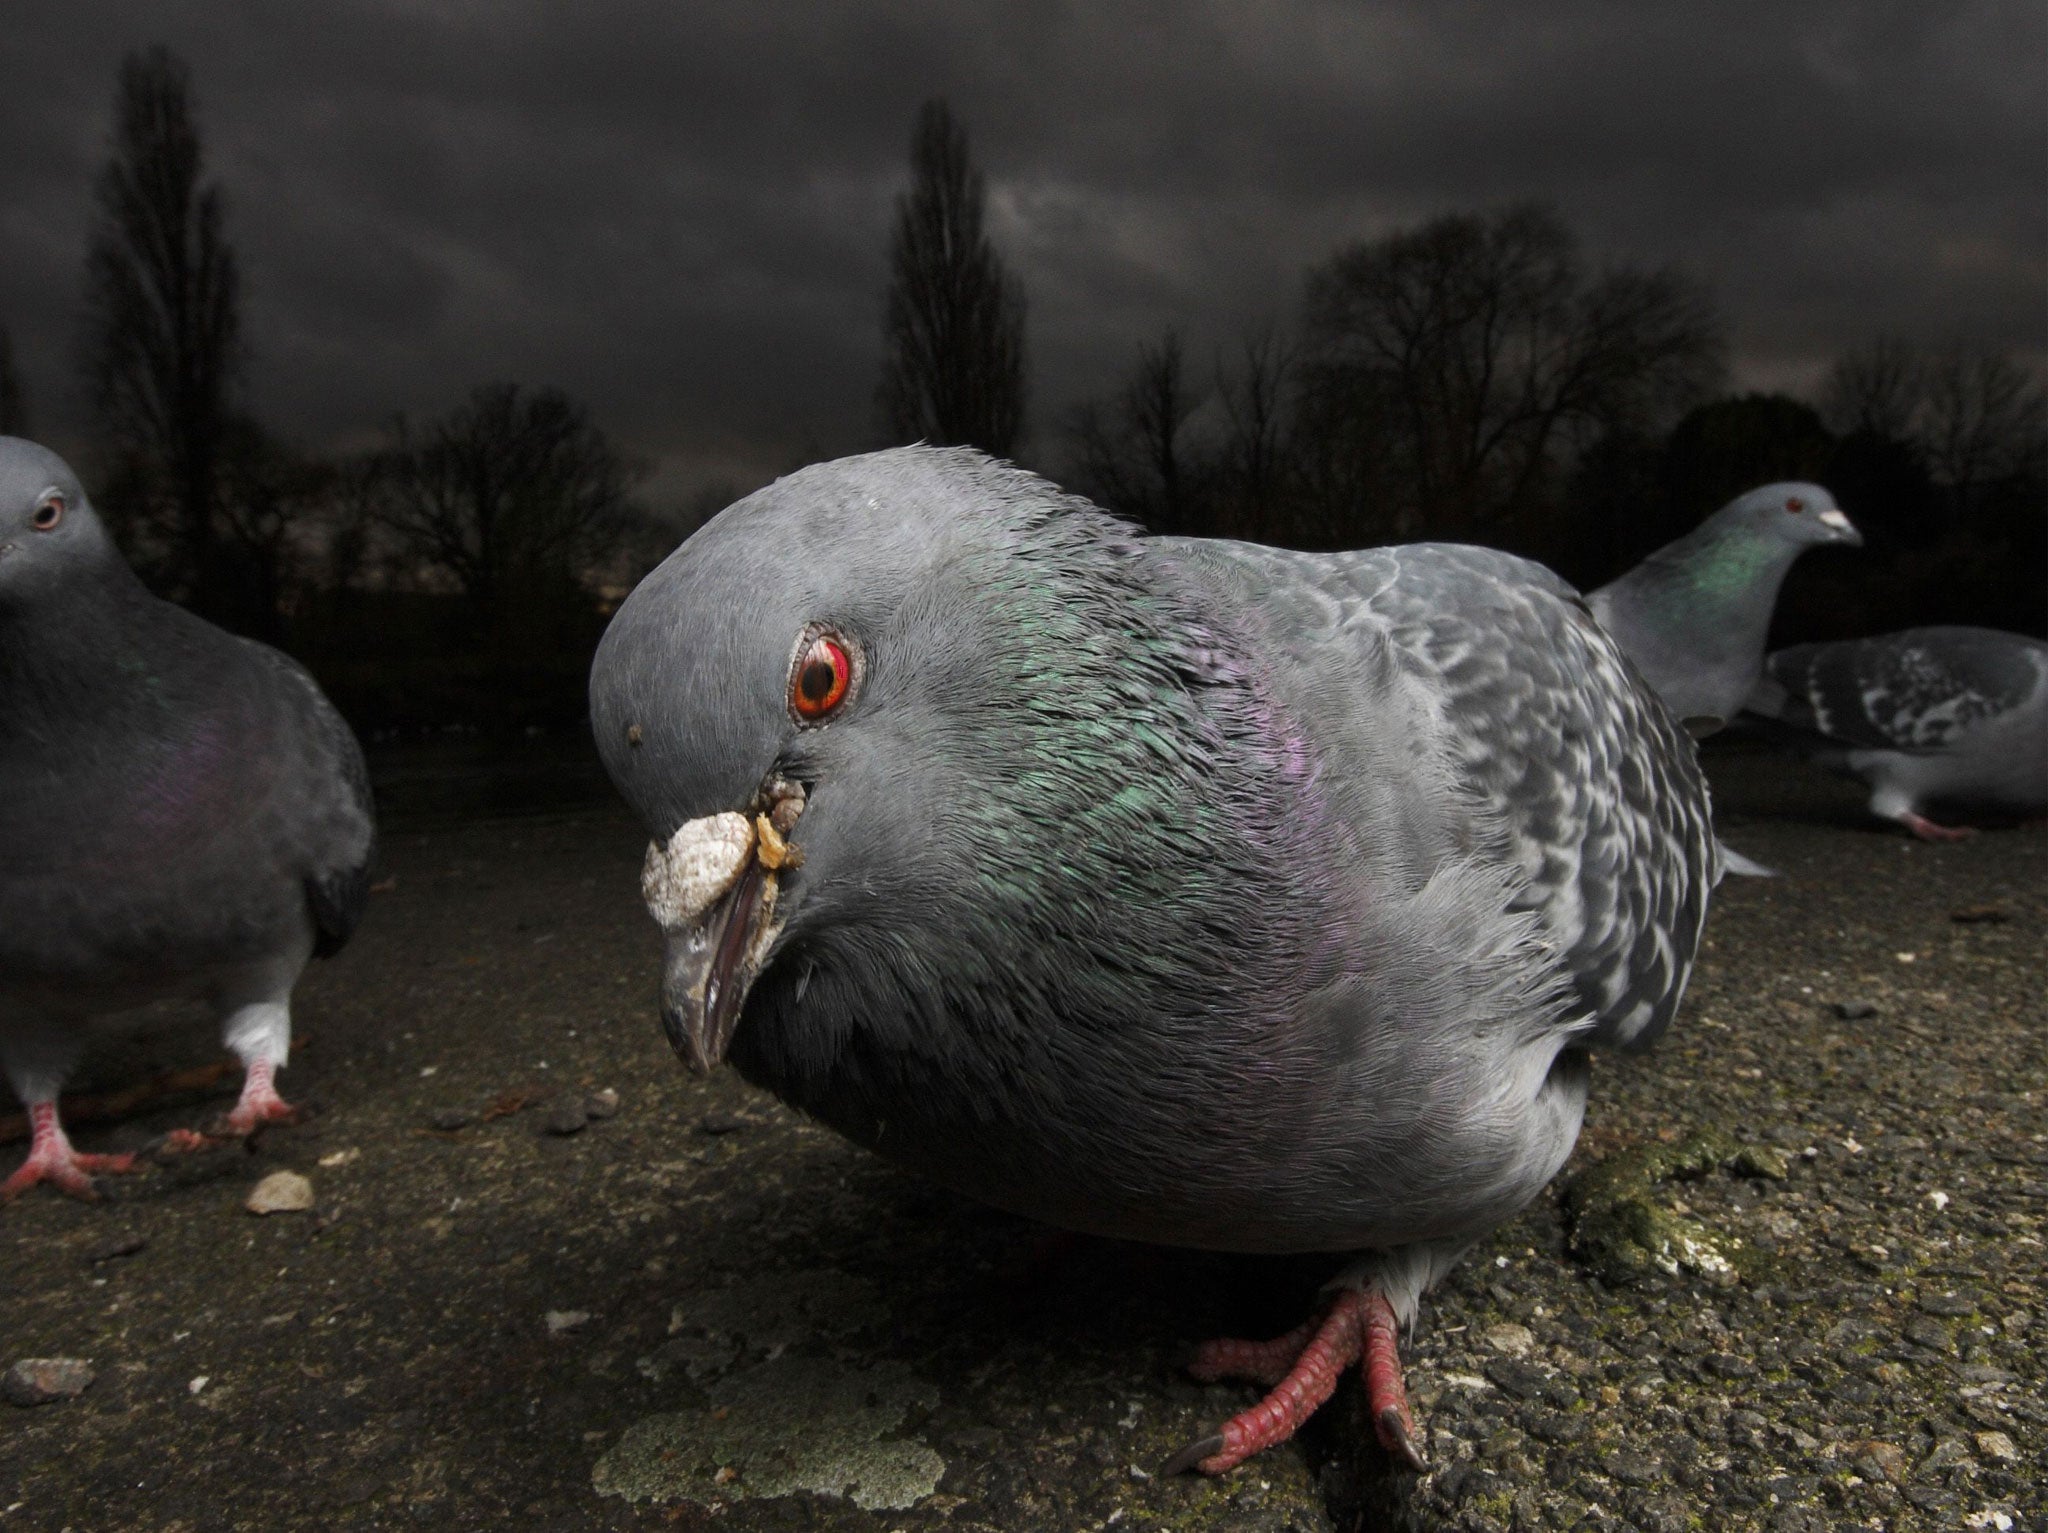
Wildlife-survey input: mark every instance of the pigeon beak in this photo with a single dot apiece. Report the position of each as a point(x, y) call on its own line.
point(710, 966)
point(1843, 529)
point(712, 888)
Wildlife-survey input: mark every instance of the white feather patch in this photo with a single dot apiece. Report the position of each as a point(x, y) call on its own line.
point(684, 879)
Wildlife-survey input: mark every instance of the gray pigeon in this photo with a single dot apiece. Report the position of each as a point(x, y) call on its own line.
point(1695, 615)
point(1930, 716)
point(1192, 892)
point(181, 813)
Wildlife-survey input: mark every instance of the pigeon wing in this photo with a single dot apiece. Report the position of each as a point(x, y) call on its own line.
point(1917, 690)
point(336, 822)
point(1558, 749)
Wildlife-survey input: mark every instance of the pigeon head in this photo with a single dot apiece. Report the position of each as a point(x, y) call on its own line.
point(921, 741)
point(1792, 512)
point(48, 528)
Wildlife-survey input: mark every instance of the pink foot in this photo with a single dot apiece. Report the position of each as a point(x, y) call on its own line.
point(1927, 830)
point(1302, 1369)
point(1384, 1392)
point(51, 1159)
point(260, 1103)
point(184, 1141)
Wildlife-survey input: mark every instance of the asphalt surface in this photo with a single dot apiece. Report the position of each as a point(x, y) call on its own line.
point(1802, 1288)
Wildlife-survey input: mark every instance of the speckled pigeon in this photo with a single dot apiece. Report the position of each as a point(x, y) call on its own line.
point(1695, 615)
point(1185, 891)
point(1956, 717)
point(181, 813)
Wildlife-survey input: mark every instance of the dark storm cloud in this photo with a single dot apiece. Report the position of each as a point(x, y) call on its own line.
point(680, 212)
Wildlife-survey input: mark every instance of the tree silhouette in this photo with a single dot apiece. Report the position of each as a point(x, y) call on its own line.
point(162, 325)
point(953, 327)
point(1731, 445)
point(1452, 369)
point(1129, 453)
point(1977, 417)
point(510, 496)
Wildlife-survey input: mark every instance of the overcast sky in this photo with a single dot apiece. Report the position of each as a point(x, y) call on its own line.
point(679, 212)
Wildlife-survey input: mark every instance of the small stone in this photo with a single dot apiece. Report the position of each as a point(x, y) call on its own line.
point(1997, 1447)
point(1632, 1468)
point(1949, 1304)
point(723, 1123)
point(40, 1380)
point(1949, 1451)
point(1855, 1011)
point(565, 1115)
point(1924, 1331)
point(1731, 1365)
point(602, 1104)
point(561, 1320)
point(1558, 1427)
point(114, 1247)
point(447, 1120)
point(1760, 1162)
point(1514, 1340)
point(281, 1192)
point(1880, 1461)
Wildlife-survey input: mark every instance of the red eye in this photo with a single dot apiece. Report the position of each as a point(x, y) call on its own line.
point(48, 514)
point(1795, 504)
point(823, 673)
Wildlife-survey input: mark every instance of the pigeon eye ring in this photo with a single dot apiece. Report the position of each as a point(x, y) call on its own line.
point(821, 676)
point(48, 514)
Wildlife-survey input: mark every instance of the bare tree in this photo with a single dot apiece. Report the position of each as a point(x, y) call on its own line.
point(953, 324)
point(1985, 418)
point(163, 324)
point(1466, 359)
point(1256, 478)
point(1975, 416)
point(1130, 453)
point(510, 495)
point(13, 399)
point(1880, 389)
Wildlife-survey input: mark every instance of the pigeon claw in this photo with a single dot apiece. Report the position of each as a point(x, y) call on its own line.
point(1195, 1453)
point(52, 1159)
point(1303, 1368)
point(260, 1103)
point(1928, 830)
point(1396, 1429)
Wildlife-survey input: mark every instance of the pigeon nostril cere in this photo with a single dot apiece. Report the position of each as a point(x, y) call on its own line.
point(684, 878)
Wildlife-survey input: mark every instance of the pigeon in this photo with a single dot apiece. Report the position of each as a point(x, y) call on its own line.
point(182, 813)
point(1928, 716)
point(1694, 616)
point(1186, 891)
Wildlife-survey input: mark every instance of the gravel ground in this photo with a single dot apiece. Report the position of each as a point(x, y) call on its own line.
point(1793, 1278)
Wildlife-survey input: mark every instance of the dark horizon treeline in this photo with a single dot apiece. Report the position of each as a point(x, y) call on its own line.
point(454, 574)
point(1471, 378)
